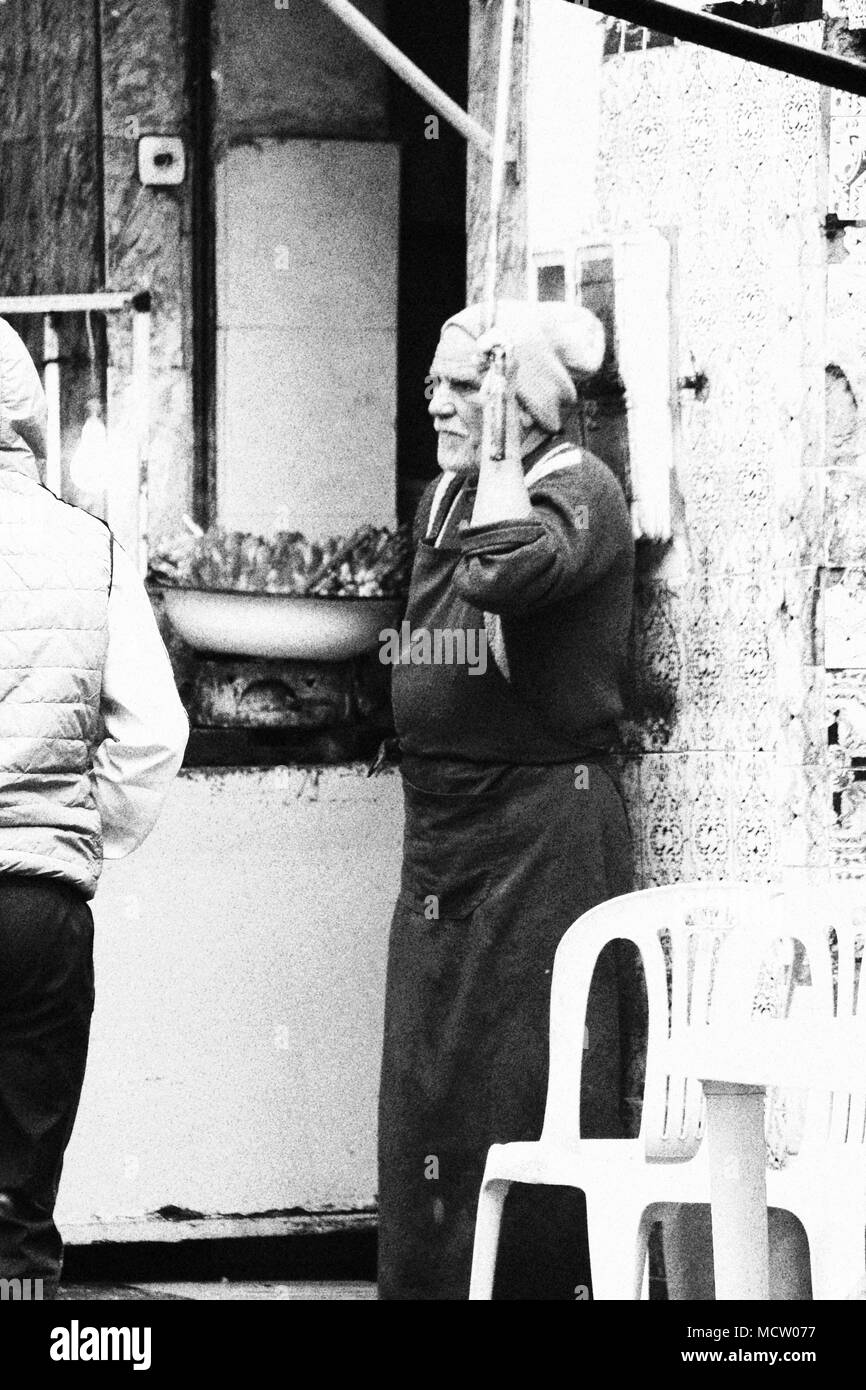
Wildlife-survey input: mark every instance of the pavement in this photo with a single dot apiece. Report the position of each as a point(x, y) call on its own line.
point(264, 1290)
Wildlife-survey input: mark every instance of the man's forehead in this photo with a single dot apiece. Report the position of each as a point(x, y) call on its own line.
point(457, 356)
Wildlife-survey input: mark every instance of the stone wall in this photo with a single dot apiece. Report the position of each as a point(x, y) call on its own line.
point(50, 202)
point(50, 232)
point(148, 246)
point(295, 70)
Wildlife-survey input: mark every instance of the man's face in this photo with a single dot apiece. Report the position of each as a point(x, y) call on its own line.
point(456, 405)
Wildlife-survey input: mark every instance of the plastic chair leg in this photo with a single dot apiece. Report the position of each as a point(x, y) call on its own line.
point(491, 1200)
point(617, 1247)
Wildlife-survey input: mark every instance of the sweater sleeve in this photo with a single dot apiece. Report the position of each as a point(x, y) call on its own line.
point(578, 527)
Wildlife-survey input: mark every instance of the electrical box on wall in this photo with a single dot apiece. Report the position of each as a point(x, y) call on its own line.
point(161, 160)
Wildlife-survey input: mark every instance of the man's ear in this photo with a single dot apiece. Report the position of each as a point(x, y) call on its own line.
point(526, 419)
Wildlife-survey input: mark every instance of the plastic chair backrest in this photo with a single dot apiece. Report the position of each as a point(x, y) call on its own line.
point(681, 933)
point(838, 913)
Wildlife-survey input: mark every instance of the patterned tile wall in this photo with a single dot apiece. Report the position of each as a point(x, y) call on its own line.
point(728, 769)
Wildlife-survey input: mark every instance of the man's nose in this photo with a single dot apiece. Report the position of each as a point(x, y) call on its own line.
point(441, 402)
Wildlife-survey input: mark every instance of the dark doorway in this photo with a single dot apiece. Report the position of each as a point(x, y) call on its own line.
point(432, 285)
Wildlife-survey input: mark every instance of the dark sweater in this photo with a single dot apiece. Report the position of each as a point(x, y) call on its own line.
point(560, 583)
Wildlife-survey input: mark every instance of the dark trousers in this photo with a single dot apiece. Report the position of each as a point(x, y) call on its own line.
point(46, 1001)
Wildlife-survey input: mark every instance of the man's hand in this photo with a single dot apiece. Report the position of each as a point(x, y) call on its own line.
point(501, 419)
point(502, 494)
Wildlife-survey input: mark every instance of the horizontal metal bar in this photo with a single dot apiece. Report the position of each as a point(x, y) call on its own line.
point(412, 75)
point(103, 301)
point(738, 40)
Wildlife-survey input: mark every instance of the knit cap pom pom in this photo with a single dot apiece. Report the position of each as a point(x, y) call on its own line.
point(554, 345)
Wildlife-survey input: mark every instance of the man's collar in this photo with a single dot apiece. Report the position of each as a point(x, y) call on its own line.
point(546, 441)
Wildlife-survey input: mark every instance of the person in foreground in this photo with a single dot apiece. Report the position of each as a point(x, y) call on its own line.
point(92, 732)
point(514, 818)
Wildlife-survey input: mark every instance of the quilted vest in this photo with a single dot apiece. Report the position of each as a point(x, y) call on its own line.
point(55, 577)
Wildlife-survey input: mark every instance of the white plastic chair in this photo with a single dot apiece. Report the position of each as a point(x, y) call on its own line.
point(704, 948)
point(824, 1182)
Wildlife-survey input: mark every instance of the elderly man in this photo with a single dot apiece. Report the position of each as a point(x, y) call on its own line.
point(91, 734)
point(515, 823)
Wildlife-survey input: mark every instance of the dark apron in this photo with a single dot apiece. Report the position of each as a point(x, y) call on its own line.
point(498, 861)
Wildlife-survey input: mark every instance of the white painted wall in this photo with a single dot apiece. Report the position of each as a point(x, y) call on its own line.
point(240, 964)
point(563, 104)
point(307, 324)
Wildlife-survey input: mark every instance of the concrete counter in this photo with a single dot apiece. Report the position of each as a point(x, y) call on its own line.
point(240, 960)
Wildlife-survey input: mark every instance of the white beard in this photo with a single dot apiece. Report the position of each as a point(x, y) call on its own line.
point(456, 454)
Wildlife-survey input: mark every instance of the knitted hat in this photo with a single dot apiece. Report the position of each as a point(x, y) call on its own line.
point(553, 344)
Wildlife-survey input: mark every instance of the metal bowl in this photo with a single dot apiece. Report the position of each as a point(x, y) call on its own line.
point(279, 625)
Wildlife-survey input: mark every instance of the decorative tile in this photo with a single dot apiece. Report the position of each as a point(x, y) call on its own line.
point(747, 676)
point(846, 516)
point(664, 832)
point(729, 690)
point(846, 710)
point(685, 817)
point(801, 716)
point(629, 770)
point(780, 817)
point(753, 819)
point(798, 677)
point(848, 832)
point(844, 609)
point(708, 790)
point(794, 598)
point(765, 693)
point(797, 536)
point(727, 666)
point(706, 493)
point(657, 663)
point(845, 346)
point(803, 810)
point(843, 872)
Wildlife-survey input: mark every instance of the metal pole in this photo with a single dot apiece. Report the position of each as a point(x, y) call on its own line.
point(101, 301)
point(737, 40)
point(51, 354)
point(497, 176)
point(397, 61)
point(140, 388)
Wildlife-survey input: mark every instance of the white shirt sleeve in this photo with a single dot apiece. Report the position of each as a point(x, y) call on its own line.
point(22, 399)
point(146, 727)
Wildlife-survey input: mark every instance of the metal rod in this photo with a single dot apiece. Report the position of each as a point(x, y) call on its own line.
point(104, 301)
point(141, 407)
point(738, 41)
point(500, 136)
point(397, 61)
point(51, 354)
